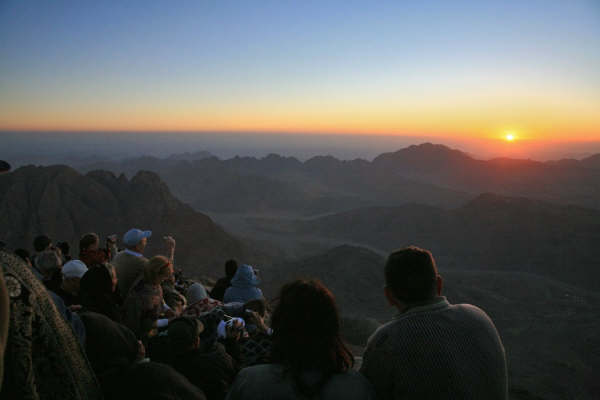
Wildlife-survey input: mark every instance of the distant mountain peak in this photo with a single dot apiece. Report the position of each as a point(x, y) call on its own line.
point(425, 156)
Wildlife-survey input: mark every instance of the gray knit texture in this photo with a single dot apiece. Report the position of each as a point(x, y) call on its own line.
point(437, 351)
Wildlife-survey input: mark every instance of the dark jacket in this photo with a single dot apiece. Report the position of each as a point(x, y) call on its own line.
point(212, 371)
point(95, 291)
point(271, 382)
point(218, 291)
point(142, 309)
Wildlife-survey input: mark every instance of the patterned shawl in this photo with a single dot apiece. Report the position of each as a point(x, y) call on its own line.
point(43, 358)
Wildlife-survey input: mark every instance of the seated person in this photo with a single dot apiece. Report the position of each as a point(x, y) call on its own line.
point(98, 291)
point(432, 349)
point(49, 264)
point(222, 284)
point(207, 365)
point(256, 347)
point(144, 305)
point(309, 356)
point(110, 347)
point(72, 273)
point(244, 286)
point(153, 381)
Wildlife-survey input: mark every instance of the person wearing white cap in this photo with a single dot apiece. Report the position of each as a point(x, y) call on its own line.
point(72, 272)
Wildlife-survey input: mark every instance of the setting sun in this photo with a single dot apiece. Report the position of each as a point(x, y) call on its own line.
point(510, 137)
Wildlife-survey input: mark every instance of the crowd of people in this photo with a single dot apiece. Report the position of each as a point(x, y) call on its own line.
point(112, 323)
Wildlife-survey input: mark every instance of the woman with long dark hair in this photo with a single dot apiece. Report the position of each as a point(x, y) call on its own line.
point(310, 360)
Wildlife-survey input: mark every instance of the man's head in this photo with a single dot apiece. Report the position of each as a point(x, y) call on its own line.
point(89, 242)
point(49, 263)
point(41, 243)
point(411, 276)
point(24, 255)
point(157, 270)
point(184, 334)
point(136, 239)
point(230, 268)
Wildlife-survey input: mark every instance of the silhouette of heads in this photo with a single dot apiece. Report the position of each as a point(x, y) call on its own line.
point(89, 241)
point(306, 328)
point(158, 269)
point(230, 268)
point(41, 243)
point(411, 275)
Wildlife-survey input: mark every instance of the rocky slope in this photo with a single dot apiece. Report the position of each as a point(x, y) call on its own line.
point(64, 204)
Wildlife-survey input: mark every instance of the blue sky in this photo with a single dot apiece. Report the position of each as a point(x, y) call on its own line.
point(90, 60)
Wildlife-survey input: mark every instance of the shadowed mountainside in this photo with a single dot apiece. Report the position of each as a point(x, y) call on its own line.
point(490, 232)
point(64, 204)
point(426, 174)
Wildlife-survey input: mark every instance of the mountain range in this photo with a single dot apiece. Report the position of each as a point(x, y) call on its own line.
point(491, 232)
point(426, 174)
point(64, 204)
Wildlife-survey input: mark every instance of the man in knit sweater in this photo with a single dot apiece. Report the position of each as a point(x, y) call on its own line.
point(432, 349)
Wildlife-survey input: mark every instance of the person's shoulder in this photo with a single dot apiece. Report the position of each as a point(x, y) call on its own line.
point(349, 385)
point(382, 335)
point(471, 311)
point(261, 374)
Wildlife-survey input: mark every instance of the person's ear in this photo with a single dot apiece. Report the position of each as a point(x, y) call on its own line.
point(439, 285)
point(392, 301)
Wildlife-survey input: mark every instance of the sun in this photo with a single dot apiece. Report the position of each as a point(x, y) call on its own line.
point(510, 136)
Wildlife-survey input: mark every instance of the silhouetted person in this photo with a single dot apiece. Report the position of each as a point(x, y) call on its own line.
point(222, 284)
point(145, 304)
point(309, 356)
point(153, 381)
point(49, 264)
point(129, 263)
point(206, 364)
point(244, 286)
point(432, 349)
point(90, 252)
point(41, 243)
point(72, 272)
point(65, 249)
point(97, 291)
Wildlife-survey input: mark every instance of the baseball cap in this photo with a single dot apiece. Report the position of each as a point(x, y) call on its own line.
point(74, 269)
point(133, 236)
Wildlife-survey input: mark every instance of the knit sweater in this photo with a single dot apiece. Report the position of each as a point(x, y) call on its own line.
point(437, 351)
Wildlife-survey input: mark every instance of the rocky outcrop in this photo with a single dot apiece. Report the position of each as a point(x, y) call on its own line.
point(64, 204)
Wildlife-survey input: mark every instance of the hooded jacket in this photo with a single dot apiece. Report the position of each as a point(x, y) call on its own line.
point(243, 286)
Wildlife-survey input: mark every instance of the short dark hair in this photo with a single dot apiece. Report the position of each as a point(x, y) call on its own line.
point(411, 274)
point(87, 240)
point(231, 267)
point(64, 247)
point(23, 254)
point(183, 332)
point(41, 243)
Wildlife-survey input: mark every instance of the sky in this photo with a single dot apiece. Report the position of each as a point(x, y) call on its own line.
point(449, 69)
